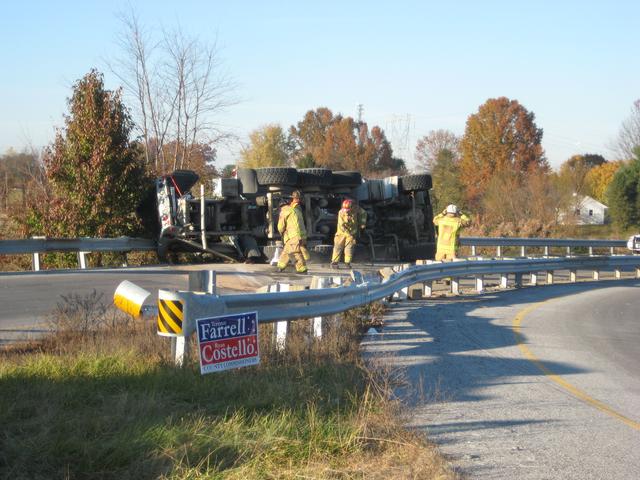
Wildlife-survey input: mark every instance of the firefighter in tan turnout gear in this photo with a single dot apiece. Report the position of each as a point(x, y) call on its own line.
point(294, 235)
point(351, 219)
point(449, 223)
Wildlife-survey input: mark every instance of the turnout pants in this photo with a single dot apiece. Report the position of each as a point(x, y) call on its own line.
point(294, 248)
point(341, 243)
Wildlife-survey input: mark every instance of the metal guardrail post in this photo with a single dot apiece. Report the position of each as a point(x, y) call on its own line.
point(473, 250)
point(35, 261)
point(568, 251)
point(480, 284)
point(455, 286)
point(638, 272)
point(82, 260)
point(523, 251)
point(499, 251)
point(428, 289)
point(550, 277)
point(591, 251)
point(316, 322)
point(573, 275)
point(281, 328)
point(518, 280)
point(534, 278)
point(202, 281)
point(504, 280)
point(617, 273)
point(546, 250)
point(596, 274)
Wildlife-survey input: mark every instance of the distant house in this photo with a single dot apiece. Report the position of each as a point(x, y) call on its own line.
point(587, 211)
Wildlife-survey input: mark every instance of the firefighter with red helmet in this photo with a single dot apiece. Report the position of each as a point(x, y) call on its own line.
point(351, 219)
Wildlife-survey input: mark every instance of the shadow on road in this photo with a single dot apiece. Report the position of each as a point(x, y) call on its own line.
point(448, 347)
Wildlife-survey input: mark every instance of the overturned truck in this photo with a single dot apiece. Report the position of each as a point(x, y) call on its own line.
point(239, 221)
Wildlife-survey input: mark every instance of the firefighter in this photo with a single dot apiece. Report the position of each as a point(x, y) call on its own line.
point(449, 223)
point(351, 219)
point(294, 235)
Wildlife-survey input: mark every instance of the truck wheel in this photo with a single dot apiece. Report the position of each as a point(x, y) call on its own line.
point(248, 181)
point(314, 177)
point(411, 183)
point(346, 179)
point(276, 176)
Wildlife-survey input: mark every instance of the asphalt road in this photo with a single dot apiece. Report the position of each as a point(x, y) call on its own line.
point(28, 297)
point(536, 383)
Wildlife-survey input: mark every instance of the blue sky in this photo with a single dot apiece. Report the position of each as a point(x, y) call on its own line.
point(414, 66)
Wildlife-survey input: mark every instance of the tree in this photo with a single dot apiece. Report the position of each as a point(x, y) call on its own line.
point(309, 135)
point(623, 194)
point(18, 172)
point(95, 174)
point(598, 179)
point(629, 135)
point(179, 89)
point(574, 171)
point(268, 148)
point(516, 207)
point(430, 146)
point(501, 138)
point(323, 139)
point(447, 187)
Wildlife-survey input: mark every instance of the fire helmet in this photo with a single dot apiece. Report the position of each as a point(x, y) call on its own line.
point(452, 209)
point(347, 203)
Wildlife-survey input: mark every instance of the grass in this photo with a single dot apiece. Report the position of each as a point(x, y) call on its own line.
point(100, 399)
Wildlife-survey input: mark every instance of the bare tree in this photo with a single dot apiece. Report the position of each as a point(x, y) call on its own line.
point(179, 89)
point(433, 144)
point(629, 135)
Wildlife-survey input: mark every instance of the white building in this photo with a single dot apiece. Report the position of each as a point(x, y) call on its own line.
point(589, 211)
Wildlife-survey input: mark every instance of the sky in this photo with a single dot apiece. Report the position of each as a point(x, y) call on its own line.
point(413, 66)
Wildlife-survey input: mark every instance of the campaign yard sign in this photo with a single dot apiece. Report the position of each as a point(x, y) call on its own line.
point(228, 341)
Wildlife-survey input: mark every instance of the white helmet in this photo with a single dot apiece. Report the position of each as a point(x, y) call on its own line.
point(452, 209)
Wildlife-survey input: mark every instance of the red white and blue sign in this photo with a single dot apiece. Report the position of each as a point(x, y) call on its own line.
point(228, 341)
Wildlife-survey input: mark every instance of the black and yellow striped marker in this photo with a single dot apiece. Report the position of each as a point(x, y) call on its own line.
point(170, 316)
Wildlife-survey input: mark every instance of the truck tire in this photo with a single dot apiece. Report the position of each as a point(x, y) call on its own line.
point(276, 176)
point(248, 181)
point(314, 177)
point(412, 183)
point(346, 179)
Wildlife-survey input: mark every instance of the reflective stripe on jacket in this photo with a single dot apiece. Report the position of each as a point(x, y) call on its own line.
point(349, 220)
point(291, 223)
point(449, 230)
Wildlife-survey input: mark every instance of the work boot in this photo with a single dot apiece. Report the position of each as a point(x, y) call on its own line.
point(334, 265)
point(348, 265)
point(280, 269)
point(304, 272)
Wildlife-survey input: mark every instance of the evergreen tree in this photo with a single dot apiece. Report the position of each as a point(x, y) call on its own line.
point(623, 194)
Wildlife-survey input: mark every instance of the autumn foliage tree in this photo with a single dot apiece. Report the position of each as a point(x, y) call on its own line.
point(501, 138)
point(598, 179)
point(573, 172)
point(430, 147)
point(268, 147)
point(341, 143)
point(95, 174)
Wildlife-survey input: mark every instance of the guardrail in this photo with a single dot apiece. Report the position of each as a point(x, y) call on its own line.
point(546, 243)
point(37, 245)
point(321, 302)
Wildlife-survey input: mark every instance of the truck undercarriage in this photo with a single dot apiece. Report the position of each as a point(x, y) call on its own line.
point(239, 221)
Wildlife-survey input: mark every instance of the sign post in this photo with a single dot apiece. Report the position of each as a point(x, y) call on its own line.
point(228, 341)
